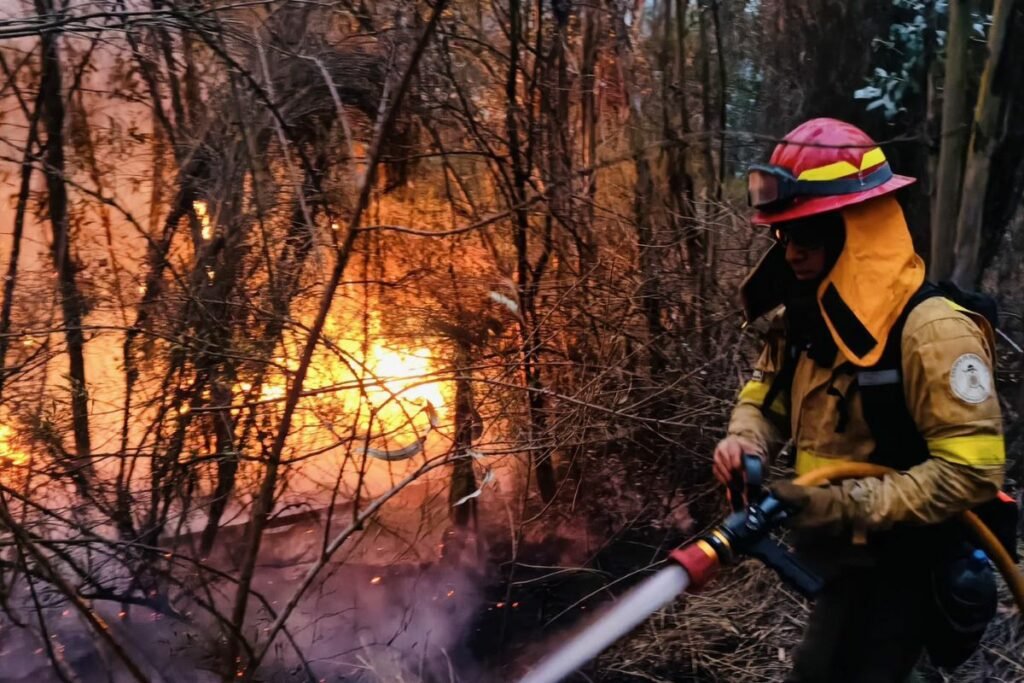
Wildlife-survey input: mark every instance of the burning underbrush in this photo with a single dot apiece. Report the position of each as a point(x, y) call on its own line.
point(409, 597)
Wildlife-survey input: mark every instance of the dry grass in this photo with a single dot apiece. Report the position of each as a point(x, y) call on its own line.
point(745, 626)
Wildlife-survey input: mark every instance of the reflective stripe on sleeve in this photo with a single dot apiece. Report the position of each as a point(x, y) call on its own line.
point(981, 450)
point(807, 461)
point(755, 392)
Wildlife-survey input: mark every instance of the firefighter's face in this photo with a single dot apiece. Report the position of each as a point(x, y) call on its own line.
point(808, 243)
point(808, 263)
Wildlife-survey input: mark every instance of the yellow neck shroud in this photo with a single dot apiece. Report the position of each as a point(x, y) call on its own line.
point(872, 281)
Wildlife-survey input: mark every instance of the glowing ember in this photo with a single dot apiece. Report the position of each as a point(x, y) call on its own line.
point(202, 211)
point(499, 605)
point(375, 580)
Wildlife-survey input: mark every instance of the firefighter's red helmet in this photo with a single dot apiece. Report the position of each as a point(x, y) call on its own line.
point(822, 165)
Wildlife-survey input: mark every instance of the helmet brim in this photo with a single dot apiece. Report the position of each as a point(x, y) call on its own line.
point(811, 206)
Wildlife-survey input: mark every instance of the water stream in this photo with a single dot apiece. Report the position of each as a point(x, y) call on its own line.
point(632, 609)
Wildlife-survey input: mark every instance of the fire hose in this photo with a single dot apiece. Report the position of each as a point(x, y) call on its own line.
point(744, 533)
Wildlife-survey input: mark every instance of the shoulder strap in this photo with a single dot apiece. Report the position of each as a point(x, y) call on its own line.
point(898, 443)
point(782, 381)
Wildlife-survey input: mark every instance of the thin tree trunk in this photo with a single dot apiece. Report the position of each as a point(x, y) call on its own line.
point(529, 335)
point(264, 502)
point(588, 109)
point(297, 246)
point(71, 301)
point(953, 141)
point(677, 127)
point(643, 190)
point(21, 208)
point(467, 424)
point(711, 189)
point(723, 99)
point(987, 133)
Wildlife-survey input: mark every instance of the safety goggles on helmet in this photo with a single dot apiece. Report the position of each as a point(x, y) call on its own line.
point(770, 188)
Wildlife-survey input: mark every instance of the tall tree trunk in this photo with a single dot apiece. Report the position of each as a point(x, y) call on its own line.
point(467, 429)
point(72, 304)
point(290, 263)
point(263, 504)
point(643, 190)
point(994, 174)
point(949, 174)
point(588, 109)
point(676, 129)
point(723, 100)
point(529, 334)
point(712, 189)
point(987, 133)
point(20, 209)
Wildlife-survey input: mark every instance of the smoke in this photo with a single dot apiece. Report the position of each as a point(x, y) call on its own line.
point(408, 599)
point(395, 606)
point(403, 622)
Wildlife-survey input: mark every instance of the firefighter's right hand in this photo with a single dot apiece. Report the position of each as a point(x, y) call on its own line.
point(820, 508)
point(728, 457)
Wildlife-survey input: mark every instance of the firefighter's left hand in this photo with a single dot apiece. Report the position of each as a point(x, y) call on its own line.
point(821, 508)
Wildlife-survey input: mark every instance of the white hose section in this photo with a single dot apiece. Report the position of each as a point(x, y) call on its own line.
point(632, 608)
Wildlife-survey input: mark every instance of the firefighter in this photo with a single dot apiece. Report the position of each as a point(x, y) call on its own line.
point(863, 362)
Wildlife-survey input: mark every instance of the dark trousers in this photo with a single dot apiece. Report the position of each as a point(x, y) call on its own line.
point(867, 626)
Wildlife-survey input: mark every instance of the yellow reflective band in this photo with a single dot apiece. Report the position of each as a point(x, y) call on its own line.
point(806, 461)
point(955, 306)
point(755, 392)
point(982, 450)
point(843, 169)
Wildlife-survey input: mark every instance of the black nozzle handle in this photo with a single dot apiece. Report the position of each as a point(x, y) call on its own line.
point(790, 570)
point(746, 482)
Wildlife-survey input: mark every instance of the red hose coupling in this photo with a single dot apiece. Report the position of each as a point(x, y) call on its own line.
point(699, 560)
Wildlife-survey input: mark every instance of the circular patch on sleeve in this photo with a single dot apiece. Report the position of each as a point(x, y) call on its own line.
point(970, 379)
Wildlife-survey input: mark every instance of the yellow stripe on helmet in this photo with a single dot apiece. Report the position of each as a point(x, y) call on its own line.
point(843, 169)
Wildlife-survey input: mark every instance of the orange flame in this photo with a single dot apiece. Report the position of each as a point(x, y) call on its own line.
point(392, 388)
point(399, 390)
point(9, 454)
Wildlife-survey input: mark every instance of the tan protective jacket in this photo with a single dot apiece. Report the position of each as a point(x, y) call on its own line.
point(947, 380)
